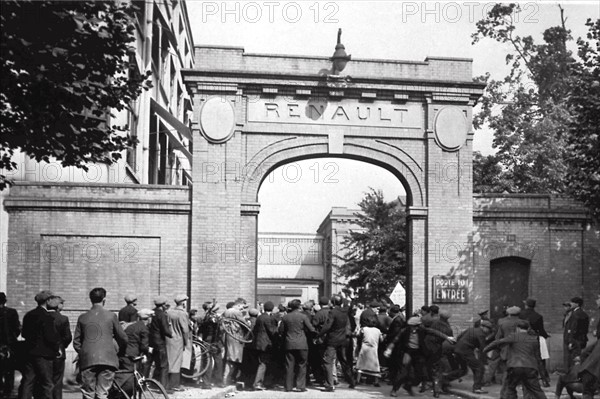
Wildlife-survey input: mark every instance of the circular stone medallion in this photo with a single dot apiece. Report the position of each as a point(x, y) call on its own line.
point(450, 128)
point(217, 119)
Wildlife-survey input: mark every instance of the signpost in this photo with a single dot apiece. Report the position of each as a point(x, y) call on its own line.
point(453, 289)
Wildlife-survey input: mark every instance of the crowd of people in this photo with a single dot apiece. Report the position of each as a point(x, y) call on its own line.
point(293, 346)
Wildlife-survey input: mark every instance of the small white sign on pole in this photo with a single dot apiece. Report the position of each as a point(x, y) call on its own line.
point(398, 296)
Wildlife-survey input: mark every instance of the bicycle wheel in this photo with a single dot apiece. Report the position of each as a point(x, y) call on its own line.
point(201, 361)
point(237, 330)
point(151, 389)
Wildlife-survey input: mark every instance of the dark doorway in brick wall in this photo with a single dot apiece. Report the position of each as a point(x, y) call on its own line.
point(509, 284)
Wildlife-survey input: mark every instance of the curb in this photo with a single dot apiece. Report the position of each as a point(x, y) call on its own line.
point(463, 393)
point(223, 392)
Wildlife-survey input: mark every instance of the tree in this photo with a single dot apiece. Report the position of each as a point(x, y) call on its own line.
point(375, 255)
point(583, 141)
point(65, 67)
point(539, 130)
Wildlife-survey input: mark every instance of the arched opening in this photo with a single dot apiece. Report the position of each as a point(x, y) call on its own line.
point(509, 283)
point(307, 208)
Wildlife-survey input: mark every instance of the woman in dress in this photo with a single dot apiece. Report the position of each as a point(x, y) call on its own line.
point(368, 358)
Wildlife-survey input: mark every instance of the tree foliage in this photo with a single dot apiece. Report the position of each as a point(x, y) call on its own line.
point(538, 115)
point(375, 254)
point(583, 141)
point(65, 66)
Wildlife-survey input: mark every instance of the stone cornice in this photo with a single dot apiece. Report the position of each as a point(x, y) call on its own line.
point(89, 205)
point(226, 78)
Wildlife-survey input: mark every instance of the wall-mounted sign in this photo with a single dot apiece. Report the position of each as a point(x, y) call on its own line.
point(453, 289)
point(346, 112)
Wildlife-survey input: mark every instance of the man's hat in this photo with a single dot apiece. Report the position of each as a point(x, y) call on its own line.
point(43, 296)
point(253, 312)
point(577, 300)
point(181, 298)
point(130, 298)
point(513, 310)
point(530, 302)
point(375, 304)
point(484, 313)
point(160, 300)
point(145, 313)
point(414, 321)
point(323, 301)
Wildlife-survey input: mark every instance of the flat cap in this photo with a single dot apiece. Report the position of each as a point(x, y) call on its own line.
point(160, 300)
point(181, 298)
point(253, 312)
point(513, 310)
point(414, 321)
point(130, 298)
point(323, 301)
point(577, 300)
point(43, 296)
point(145, 313)
point(483, 313)
point(530, 302)
point(375, 304)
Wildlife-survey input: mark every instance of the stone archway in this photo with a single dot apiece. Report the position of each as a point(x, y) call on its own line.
point(412, 119)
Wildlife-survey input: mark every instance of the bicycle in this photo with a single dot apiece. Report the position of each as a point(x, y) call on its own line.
point(202, 360)
point(143, 388)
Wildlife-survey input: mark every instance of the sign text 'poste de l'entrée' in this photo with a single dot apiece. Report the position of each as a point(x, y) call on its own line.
point(453, 289)
point(345, 112)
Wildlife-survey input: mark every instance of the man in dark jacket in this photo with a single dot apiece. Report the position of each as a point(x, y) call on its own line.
point(159, 331)
point(294, 328)
point(472, 338)
point(590, 370)
point(265, 330)
point(398, 323)
point(336, 334)
point(211, 334)
point(42, 342)
point(64, 330)
point(577, 323)
point(10, 328)
point(318, 322)
point(129, 313)
point(93, 341)
point(138, 344)
point(536, 323)
point(522, 361)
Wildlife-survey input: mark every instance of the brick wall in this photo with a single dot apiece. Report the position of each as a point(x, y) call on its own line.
point(71, 238)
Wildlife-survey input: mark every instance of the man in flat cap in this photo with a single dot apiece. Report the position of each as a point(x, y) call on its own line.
point(128, 313)
point(160, 330)
point(180, 326)
point(536, 321)
point(98, 358)
point(11, 328)
point(265, 333)
point(577, 323)
point(523, 357)
point(63, 326)
point(41, 341)
point(137, 345)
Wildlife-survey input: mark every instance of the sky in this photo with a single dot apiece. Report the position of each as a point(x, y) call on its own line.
point(298, 196)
